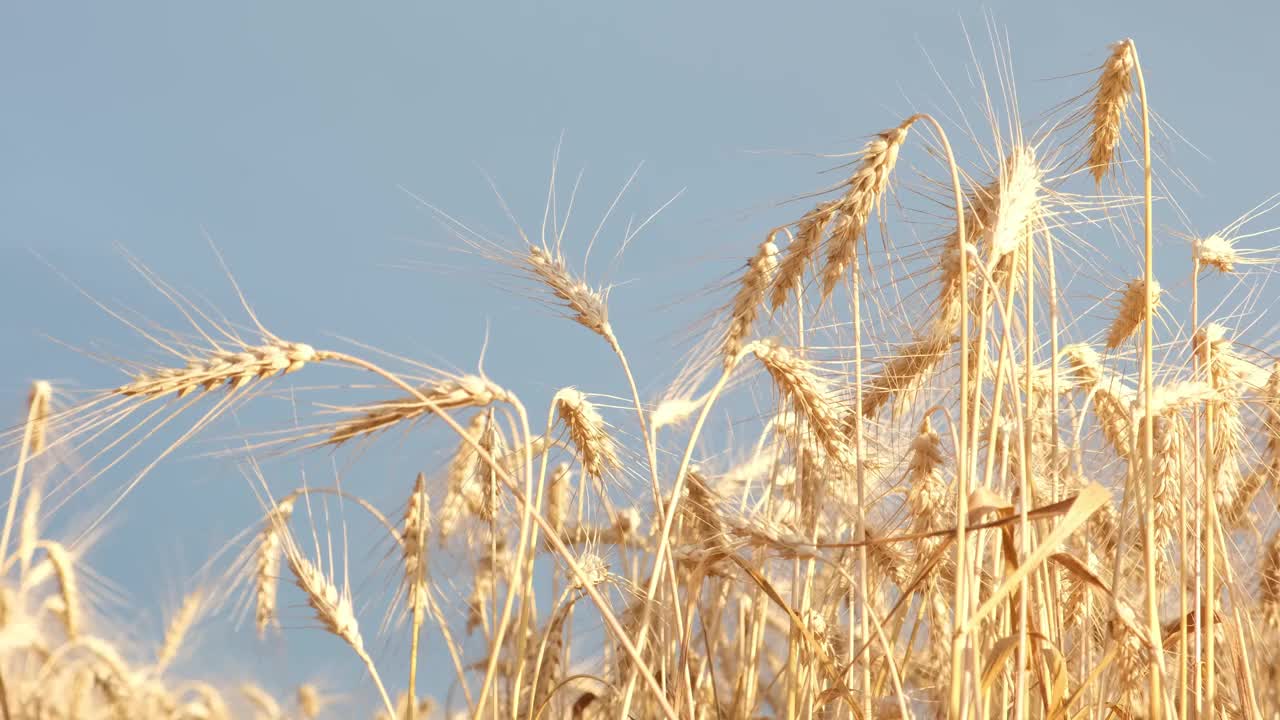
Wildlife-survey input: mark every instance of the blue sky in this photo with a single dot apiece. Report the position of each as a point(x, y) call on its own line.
point(286, 132)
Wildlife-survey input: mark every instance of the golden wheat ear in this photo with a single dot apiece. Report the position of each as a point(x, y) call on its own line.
point(1114, 92)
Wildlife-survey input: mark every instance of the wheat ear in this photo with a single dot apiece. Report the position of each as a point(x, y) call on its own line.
point(233, 369)
point(449, 394)
point(176, 631)
point(588, 305)
point(587, 432)
point(1112, 98)
point(64, 568)
point(332, 608)
point(808, 395)
point(1134, 301)
point(750, 295)
point(865, 188)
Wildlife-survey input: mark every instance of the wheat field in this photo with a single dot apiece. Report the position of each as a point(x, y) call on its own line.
point(904, 472)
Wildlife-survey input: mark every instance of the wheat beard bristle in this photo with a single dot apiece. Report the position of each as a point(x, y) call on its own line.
point(1114, 91)
point(866, 187)
point(589, 306)
point(233, 369)
point(750, 295)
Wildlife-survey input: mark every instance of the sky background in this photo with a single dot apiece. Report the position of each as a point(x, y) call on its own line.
point(289, 132)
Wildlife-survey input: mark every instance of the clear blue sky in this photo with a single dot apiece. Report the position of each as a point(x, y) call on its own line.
point(285, 129)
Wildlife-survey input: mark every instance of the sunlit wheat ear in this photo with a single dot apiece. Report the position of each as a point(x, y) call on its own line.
point(587, 432)
point(64, 567)
point(807, 394)
point(413, 535)
point(588, 305)
point(1234, 492)
point(310, 701)
point(1271, 420)
point(1168, 442)
point(749, 297)
point(459, 474)
point(449, 394)
point(175, 633)
point(1111, 398)
point(332, 606)
point(1129, 313)
point(1018, 205)
point(595, 571)
point(927, 494)
point(232, 369)
point(1111, 99)
point(866, 187)
point(558, 498)
point(267, 564)
point(482, 490)
point(1215, 252)
point(701, 518)
point(900, 375)
point(800, 252)
point(38, 411)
